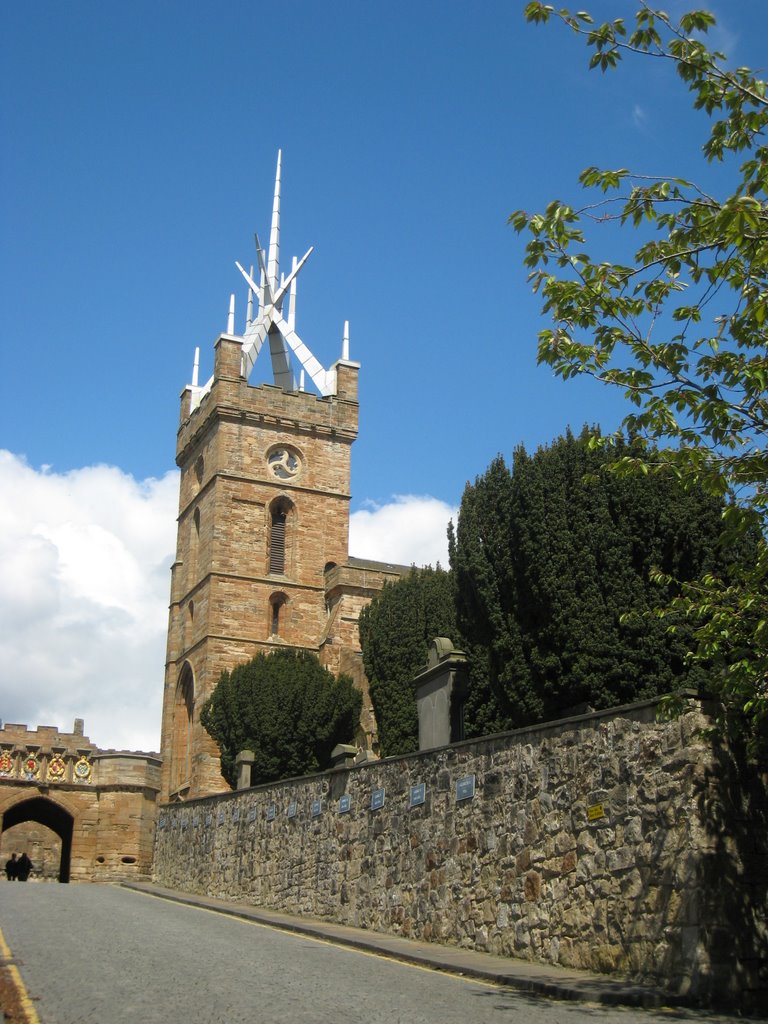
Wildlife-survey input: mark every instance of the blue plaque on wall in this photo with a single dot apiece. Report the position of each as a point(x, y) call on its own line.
point(174, 822)
point(183, 824)
point(195, 820)
point(236, 814)
point(271, 811)
point(252, 814)
point(345, 804)
point(317, 808)
point(418, 794)
point(161, 823)
point(465, 788)
point(208, 818)
point(221, 816)
point(377, 799)
point(291, 812)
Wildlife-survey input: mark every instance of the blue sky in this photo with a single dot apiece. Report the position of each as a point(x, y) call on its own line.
point(139, 157)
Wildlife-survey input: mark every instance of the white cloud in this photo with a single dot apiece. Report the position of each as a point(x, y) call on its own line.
point(639, 116)
point(409, 530)
point(84, 598)
point(85, 584)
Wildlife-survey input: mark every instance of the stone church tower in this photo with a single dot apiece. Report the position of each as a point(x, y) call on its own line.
point(263, 527)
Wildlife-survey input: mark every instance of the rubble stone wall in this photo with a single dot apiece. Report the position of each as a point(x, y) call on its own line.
point(611, 842)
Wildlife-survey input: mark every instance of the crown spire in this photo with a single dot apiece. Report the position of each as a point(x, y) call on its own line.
point(268, 321)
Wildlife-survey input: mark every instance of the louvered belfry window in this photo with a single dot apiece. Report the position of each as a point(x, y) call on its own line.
point(277, 544)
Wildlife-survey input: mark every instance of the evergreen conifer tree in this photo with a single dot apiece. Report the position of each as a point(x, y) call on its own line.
point(286, 708)
point(552, 571)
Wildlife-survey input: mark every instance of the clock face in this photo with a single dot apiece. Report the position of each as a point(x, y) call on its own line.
point(284, 463)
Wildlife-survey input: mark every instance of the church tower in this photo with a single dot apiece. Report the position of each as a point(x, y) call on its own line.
point(263, 522)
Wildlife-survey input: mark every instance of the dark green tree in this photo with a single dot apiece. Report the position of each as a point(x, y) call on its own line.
point(286, 708)
point(481, 558)
point(395, 632)
point(554, 568)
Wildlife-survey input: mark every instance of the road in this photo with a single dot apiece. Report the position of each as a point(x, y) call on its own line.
point(96, 954)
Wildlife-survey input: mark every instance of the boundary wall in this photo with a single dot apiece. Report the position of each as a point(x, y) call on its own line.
point(611, 842)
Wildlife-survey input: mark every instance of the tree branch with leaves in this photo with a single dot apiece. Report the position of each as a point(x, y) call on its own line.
point(681, 328)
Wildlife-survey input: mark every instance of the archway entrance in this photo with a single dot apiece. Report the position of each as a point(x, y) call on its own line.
point(49, 815)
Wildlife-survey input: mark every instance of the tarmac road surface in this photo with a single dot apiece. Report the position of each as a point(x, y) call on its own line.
point(100, 954)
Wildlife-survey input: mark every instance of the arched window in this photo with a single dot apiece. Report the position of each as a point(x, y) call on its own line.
point(277, 603)
point(277, 543)
point(183, 712)
point(281, 514)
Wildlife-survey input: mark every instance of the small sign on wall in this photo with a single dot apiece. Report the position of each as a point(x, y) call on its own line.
point(465, 788)
point(291, 812)
point(595, 812)
point(271, 812)
point(418, 794)
point(345, 804)
point(317, 808)
point(377, 799)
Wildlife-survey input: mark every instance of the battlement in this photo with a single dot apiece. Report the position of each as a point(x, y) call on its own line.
point(47, 755)
point(362, 576)
point(19, 736)
point(232, 397)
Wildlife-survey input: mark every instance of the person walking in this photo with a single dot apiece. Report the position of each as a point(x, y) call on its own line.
point(24, 866)
point(12, 868)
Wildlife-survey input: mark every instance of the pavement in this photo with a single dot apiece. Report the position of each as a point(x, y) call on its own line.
point(541, 979)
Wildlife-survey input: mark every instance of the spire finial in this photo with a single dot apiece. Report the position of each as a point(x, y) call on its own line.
point(231, 317)
point(345, 341)
point(273, 259)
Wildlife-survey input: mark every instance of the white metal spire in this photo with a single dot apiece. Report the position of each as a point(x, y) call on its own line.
point(273, 261)
point(265, 319)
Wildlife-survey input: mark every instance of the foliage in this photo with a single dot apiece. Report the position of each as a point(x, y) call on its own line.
point(681, 328)
point(396, 629)
point(481, 556)
point(553, 566)
point(286, 708)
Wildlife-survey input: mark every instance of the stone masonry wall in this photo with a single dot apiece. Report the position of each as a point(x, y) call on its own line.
point(611, 842)
point(54, 782)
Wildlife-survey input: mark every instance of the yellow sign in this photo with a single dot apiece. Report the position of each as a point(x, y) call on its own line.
point(595, 812)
